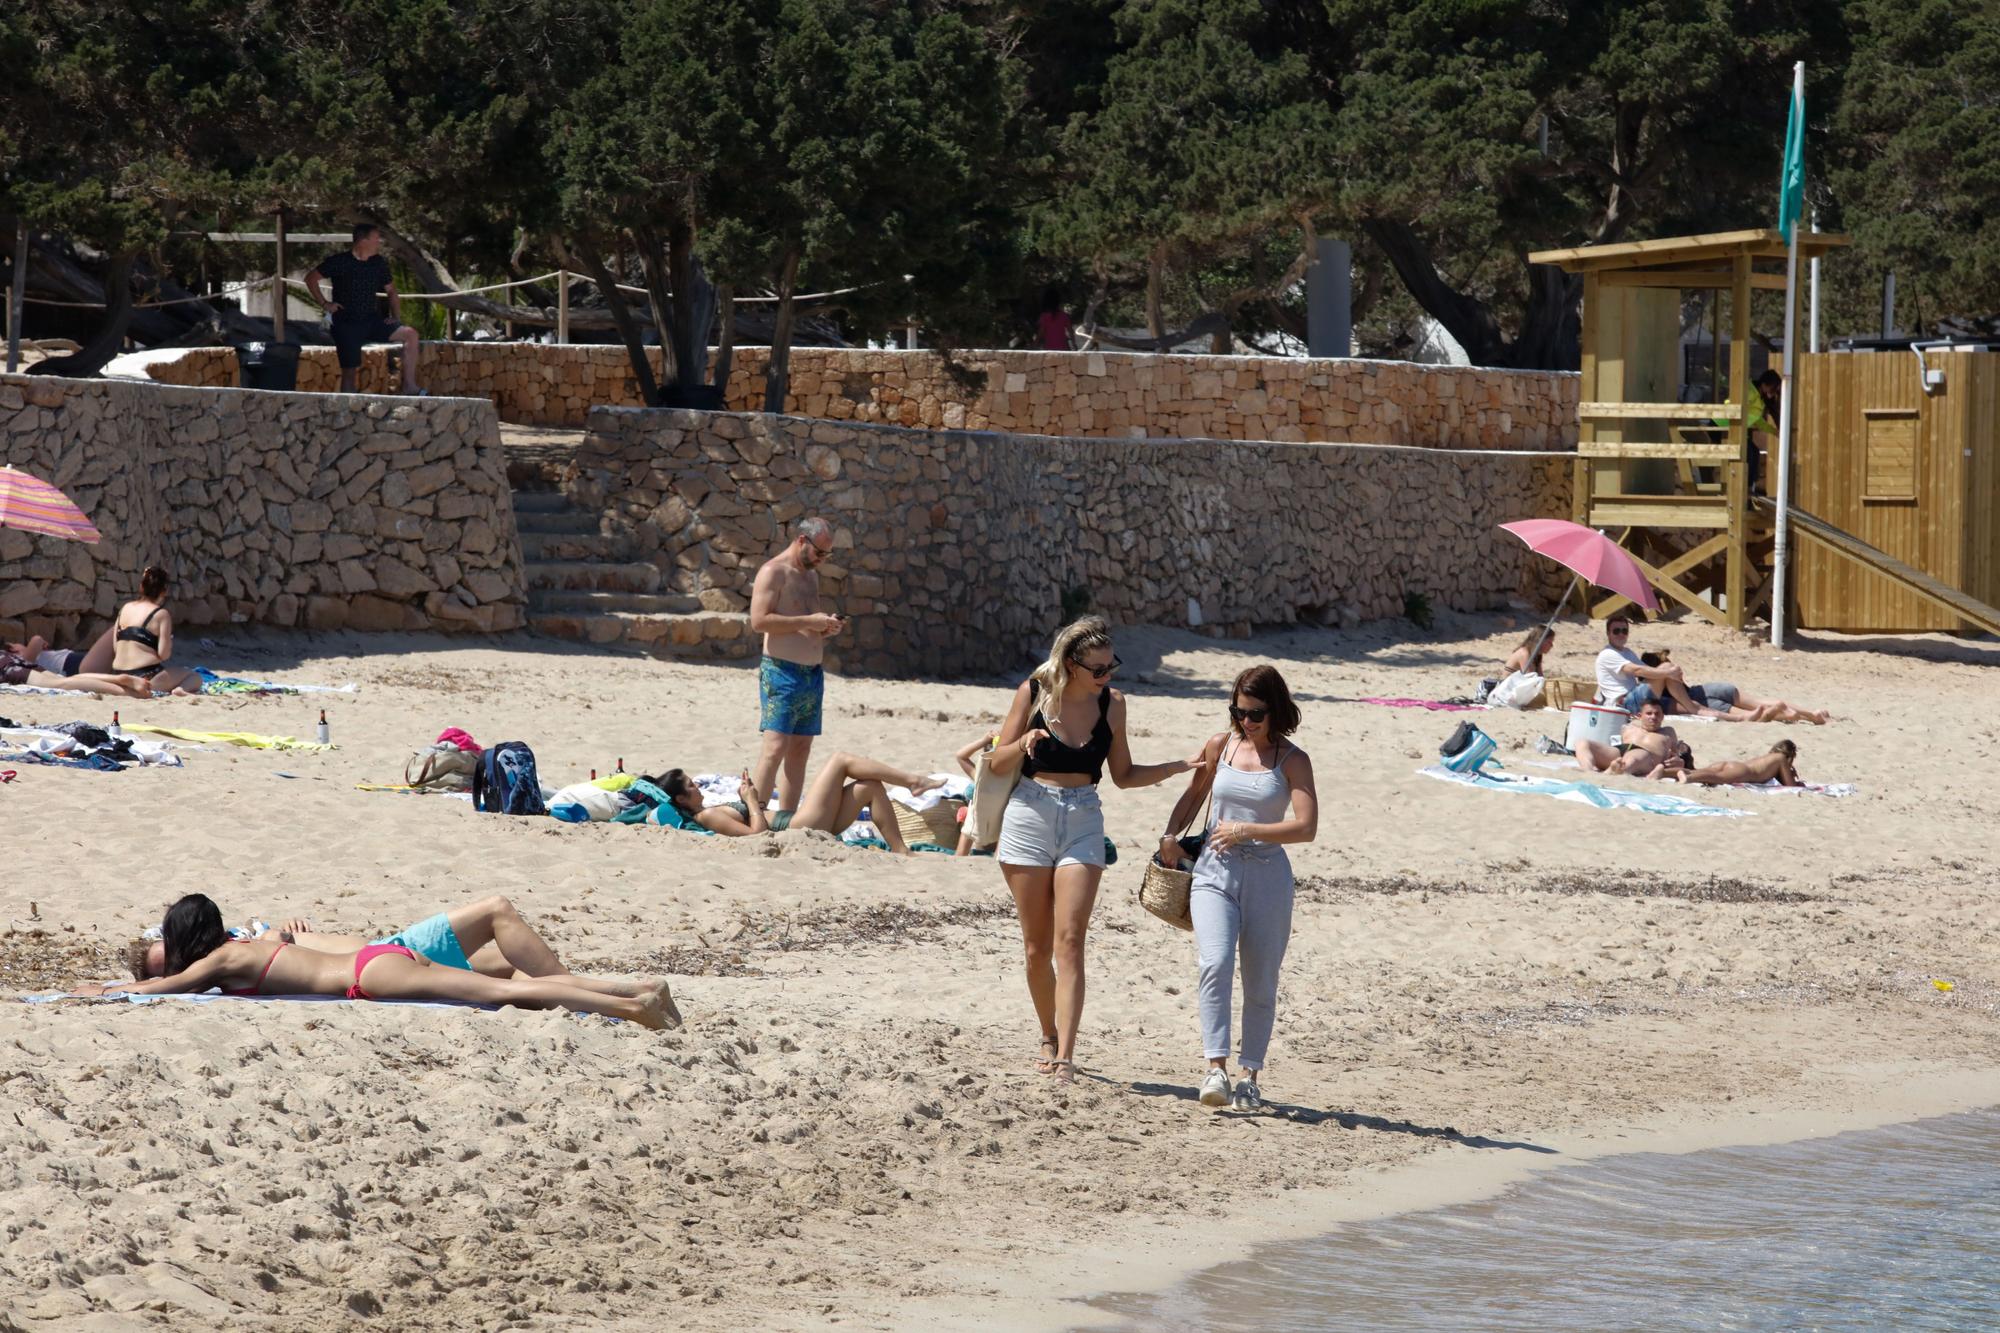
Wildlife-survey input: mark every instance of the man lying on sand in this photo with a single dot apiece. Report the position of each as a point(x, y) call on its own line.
point(35, 663)
point(199, 954)
point(1644, 748)
point(1778, 764)
point(488, 936)
point(1723, 700)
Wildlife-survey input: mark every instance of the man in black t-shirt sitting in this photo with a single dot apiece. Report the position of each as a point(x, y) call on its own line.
point(357, 275)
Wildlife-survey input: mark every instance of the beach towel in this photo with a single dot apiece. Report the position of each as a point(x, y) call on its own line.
point(216, 682)
point(212, 996)
point(248, 738)
point(405, 789)
point(37, 689)
point(1435, 705)
point(1584, 793)
point(47, 741)
point(101, 762)
point(589, 802)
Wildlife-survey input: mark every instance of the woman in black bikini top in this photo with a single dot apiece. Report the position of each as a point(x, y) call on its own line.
point(151, 636)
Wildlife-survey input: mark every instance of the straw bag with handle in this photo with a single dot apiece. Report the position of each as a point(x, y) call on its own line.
point(1164, 890)
point(937, 825)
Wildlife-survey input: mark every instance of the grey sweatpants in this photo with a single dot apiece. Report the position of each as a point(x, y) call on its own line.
point(1241, 902)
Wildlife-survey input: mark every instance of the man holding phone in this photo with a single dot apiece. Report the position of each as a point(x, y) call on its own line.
point(791, 680)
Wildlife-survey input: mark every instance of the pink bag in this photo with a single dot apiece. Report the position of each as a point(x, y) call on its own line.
point(456, 736)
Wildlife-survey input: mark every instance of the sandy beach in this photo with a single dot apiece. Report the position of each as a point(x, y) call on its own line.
point(848, 1130)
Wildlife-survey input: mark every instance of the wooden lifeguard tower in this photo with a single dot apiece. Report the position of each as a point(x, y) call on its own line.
point(1672, 479)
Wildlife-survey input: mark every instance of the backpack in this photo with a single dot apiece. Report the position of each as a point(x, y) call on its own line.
point(506, 783)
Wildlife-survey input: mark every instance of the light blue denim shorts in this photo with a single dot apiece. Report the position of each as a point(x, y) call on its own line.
point(1052, 826)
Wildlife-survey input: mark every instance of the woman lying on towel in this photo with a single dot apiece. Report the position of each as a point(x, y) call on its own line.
point(846, 786)
point(200, 954)
point(1778, 764)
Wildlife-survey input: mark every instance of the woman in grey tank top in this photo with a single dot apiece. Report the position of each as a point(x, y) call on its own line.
point(1242, 896)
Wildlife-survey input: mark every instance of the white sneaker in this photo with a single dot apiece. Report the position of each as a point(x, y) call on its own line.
point(1215, 1088)
point(1247, 1097)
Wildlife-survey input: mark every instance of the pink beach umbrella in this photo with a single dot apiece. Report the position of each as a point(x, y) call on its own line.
point(1592, 556)
point(32, 505)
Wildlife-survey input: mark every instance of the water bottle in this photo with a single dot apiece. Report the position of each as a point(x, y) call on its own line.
point(320, 733)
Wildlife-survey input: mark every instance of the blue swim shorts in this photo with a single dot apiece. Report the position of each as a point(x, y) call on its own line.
point(433, 938)
point(789, 696)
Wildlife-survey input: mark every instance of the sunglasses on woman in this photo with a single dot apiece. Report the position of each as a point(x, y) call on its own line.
point(1100, 672)
point(1248, 714)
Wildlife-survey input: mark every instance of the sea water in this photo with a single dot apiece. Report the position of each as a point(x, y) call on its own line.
point(1895, 1228)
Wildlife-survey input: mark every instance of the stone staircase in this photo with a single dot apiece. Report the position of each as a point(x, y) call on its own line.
point(581, 586)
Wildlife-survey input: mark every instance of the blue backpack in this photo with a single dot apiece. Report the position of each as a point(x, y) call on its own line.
point(506, 783)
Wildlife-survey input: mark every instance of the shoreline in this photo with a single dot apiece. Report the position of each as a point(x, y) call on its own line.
point(1153, 1258)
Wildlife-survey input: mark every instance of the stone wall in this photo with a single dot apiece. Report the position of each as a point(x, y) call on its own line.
point(955, 550)
point(267, 508)
point(1047, 393)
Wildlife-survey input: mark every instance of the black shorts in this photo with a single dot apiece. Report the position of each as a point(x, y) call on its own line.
point(350, 336)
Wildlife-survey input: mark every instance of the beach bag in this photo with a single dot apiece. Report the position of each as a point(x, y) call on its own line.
point(1523, 689)
point(1164, 890)
point(1467, 748)
point(440, 767)
point(990, 793)
point(506, 783)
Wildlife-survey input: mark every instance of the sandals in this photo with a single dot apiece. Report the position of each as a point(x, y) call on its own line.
point(1064, 1070)
point(1046, 1064)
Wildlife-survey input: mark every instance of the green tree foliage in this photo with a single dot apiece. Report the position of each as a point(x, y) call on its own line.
point(1916, 154)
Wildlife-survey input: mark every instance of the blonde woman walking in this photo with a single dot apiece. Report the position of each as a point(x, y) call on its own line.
point(1066, 727)
point(1241, 900)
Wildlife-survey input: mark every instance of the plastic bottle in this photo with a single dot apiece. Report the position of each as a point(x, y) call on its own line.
point(321, 733)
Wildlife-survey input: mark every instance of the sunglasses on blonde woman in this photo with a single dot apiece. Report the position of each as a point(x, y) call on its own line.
point(1100, 672)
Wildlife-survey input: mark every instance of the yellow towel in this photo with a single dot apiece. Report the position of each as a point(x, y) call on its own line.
point(249, 738)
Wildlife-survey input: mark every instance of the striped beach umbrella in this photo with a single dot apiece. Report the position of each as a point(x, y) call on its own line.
point(32, 505)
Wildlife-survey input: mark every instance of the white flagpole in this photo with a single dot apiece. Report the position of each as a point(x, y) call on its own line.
point(1781, 547)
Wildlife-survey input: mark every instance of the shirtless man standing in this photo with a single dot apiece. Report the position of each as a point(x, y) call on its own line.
point(791, 682)
point(1645, 748)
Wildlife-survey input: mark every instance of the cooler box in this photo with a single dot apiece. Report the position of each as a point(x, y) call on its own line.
point(1595, 722)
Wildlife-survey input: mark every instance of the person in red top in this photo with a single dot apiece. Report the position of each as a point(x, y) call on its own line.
point(1054, 327)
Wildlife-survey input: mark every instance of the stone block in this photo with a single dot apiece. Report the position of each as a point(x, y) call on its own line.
point(375, 615)
point(326, 613)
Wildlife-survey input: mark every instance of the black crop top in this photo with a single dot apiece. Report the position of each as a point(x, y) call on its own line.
point(142, 632)
point(1055, 756)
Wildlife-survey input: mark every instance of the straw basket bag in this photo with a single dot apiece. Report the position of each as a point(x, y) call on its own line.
point(1559, 692)
point(990, 794)
point(1164, 891)
point(938, 825)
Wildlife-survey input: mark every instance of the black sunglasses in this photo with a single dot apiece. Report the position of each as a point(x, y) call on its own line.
point(1248, 714)
point(1622, 629)
point(1103, 671)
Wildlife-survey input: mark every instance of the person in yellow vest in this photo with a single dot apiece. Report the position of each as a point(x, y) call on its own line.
point(1760, 423)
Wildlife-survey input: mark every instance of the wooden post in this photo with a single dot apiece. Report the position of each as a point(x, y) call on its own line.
point(562, 306)
point(278, 293)
point(17, 289)
point(1736, 475)
point(510, 305)
point(1583, 482)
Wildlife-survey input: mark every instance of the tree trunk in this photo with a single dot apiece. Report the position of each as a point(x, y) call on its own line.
point(653, 263)
point(693, 312)
point(1156, 278)
point(1219, 342)
point(17, 290)
point(1549, 337)
point(110, 335)
point(621, 314)
point(778, 374)
point(725, 351)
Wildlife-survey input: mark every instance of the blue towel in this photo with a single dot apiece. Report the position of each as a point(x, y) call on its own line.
point(1585, 793)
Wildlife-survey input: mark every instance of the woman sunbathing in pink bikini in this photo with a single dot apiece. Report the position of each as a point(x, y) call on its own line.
point(200, 954)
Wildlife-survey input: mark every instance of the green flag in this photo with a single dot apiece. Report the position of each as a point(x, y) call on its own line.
point(1792, 177)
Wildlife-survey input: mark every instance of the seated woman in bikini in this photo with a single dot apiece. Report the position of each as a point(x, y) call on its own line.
point(847, 785)
point(143, 639)
point(200, 954)
point(1777, 764)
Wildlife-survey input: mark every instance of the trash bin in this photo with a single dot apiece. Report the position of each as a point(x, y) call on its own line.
point(267, 365)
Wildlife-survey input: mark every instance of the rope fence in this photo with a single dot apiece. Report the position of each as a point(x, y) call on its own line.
point(563, 274)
